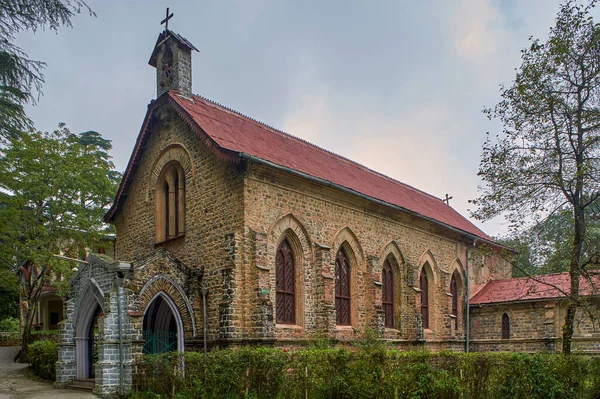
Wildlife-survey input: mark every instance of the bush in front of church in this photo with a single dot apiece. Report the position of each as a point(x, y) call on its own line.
point(43, 355)
point(371, 372)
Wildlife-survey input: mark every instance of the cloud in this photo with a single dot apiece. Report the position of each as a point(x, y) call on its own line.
point(477, 29)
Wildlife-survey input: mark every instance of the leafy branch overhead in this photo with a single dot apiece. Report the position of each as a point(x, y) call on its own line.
point(21, 77)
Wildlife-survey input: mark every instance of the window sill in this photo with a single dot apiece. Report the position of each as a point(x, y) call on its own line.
point(343, 328)
point(288, 327)
point(392, 330)
point(170, 240)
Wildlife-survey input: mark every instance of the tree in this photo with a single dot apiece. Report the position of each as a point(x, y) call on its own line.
point(59, 187)
point(547, 158)
point(21, 78)
point(545, 247)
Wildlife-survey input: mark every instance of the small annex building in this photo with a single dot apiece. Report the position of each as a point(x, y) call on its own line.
point(276, 240)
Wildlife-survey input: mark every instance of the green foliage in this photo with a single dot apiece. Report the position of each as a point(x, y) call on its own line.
point(9, 292)
point(21, 78)
point(9, 324)
point(546, 246)
point(60, 185)
point(43, 356)
point(365, 373)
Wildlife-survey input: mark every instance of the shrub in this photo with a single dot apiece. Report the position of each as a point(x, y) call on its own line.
point(43, 356)
point(9, 324)
point(368, 372)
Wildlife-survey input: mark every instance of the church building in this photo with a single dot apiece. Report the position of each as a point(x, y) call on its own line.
point(230, 232)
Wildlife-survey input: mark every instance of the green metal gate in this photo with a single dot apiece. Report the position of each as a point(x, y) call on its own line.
point(159, 341)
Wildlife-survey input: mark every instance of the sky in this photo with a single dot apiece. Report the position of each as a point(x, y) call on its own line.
point(397, 86)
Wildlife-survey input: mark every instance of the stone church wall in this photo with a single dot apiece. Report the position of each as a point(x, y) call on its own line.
point(213, 215)
point(322, 219)
point(534, 326)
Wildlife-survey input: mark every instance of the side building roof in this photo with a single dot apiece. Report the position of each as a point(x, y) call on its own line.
point(545, 286)
point(235, 136)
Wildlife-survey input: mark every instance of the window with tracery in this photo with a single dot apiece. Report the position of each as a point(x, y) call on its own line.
point(388, 294)
point(285, 284)
point(170, 203)
point(505, 326)
point(424, 285)
point(342, 288)
point(454, 292)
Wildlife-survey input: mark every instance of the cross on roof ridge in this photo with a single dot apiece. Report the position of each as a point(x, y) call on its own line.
point(167, 18)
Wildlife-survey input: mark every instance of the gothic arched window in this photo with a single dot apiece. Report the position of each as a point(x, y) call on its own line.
point(454, 293)
point(170, 202)
point(388, 294)
point(505, 326)
point(342, 288)
point(285, 284)
point(424, 285)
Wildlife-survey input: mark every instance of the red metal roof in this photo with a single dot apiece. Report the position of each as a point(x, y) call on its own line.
point(546, 286)
point(234, 133)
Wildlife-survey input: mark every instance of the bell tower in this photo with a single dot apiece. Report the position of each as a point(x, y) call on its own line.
point(172, 58)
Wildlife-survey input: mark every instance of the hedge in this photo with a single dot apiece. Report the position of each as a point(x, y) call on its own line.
point(365, 373)
point(43, 355)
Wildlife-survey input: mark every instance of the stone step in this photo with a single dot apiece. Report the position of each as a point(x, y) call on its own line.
point(83, 384)
point(80, 387)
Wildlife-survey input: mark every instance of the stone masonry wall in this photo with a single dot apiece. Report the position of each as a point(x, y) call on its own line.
point(321, 220)
point(534, 326)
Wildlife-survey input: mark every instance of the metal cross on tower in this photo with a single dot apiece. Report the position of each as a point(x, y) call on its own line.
point(447, 199)
point(166, 20)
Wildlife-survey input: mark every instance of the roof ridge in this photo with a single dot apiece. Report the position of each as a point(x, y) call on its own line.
point(289, 135)
point(532, 278)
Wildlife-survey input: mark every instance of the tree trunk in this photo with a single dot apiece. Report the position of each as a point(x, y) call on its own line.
point(575, 275)
point(568, 328)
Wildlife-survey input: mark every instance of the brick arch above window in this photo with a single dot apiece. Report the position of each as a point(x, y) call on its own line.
point(427, 258)
point(173, 152)
point(457, 266)
point(392, 249)
point(346, 237)
point(288, 226)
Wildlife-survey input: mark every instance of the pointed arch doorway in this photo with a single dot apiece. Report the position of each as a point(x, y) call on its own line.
point(91, 307)
point(162, 327)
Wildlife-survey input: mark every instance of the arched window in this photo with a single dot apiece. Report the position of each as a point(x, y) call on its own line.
point(285, 284)
point(388, 294)
point(424, 285)
point(454, 293)
point(342, 288)
point(505, 326)
point(170, 202)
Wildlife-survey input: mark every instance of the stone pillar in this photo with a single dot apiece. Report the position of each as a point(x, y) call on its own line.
point(111, 349)
point(66, 364)
point(324, 290)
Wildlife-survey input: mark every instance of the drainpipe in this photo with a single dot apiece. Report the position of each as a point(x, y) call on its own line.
point(204, 292)
point(468, 294)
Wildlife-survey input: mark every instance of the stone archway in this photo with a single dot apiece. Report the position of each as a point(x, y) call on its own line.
point(89, 308)
point(162, 326)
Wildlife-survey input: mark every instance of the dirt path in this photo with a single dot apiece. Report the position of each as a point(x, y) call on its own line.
point(15, 385)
